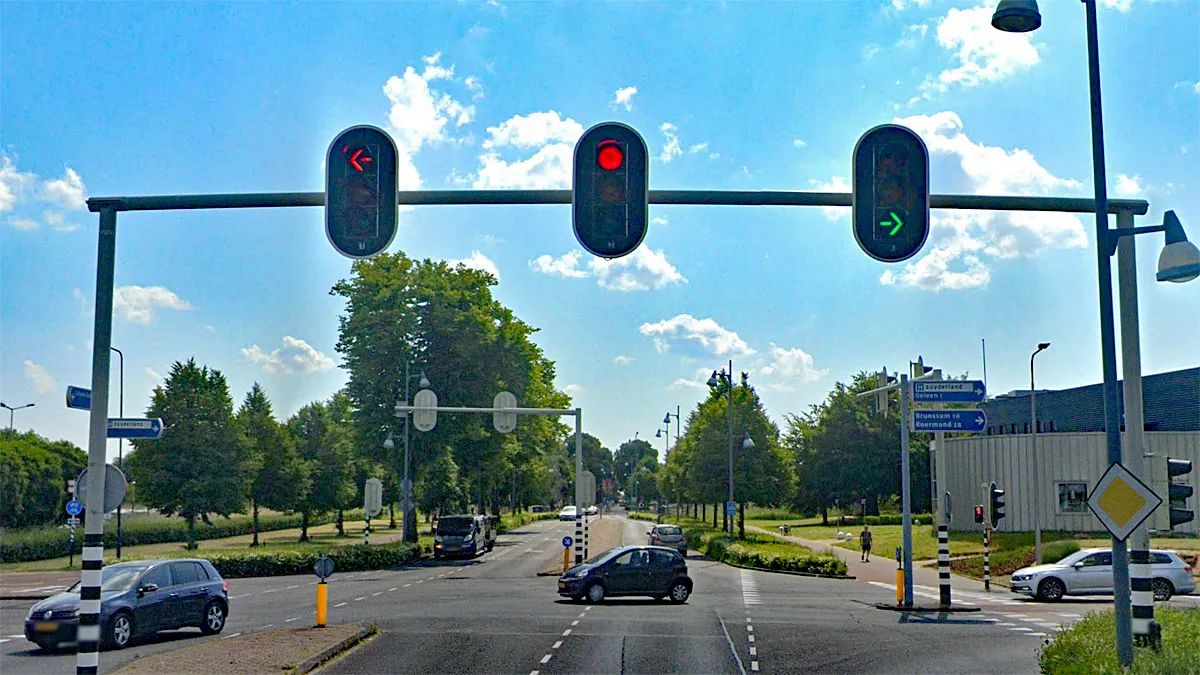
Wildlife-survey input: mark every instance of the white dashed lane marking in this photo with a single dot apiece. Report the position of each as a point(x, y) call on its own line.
point(340, 604)
point(546, 658)
point(290, 620)
point(226, 637)
point(566, 632)
point(392, 589)
point(557, 645)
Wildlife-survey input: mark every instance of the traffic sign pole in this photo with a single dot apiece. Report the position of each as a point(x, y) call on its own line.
point(906, 492)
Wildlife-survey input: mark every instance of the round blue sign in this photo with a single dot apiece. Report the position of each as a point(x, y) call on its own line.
point(74, 507)
point(567, 541)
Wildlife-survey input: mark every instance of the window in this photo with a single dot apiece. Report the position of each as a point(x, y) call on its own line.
point(1160, 559)
point(1072, 498)
point(1097, 559)
point(157, 576)
point(187, 573)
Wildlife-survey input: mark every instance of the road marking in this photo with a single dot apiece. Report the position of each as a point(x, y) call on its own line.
point(13, 637)
point(546, 658)
point(393, 588)
point(407, 585)
point(557, 645)
point(737, 659)
point(290, 620)
point(566, 632)
point(375, 594)
point(3, 640)
point(420, 581)
point(442, 574)
point(588, 609)
point(749, 589)
point(754, 666)
point(1021, 628)
point(243, 595)
point(273, 590)
point(340, 604)
point(1004, 623)
point(360, 598)
point(266, 626)
point(754, 651)
point(230, 636)
point(1025, 618)
point(750, 638)
point(576, 621)
point(1068, 615)
point(293, 586)
point(749, 628)
point(747, 619)
point(581, 615)
point(534, 672)
point(312, 583)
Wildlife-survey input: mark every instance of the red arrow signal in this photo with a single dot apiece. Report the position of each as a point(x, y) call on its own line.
point(359, 157)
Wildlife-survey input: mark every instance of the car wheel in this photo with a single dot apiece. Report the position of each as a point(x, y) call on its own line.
point(1051, 589)
point(120, 631)
point(679, 592)
point(214, 618)
point(1163, 589)
point(595, 592)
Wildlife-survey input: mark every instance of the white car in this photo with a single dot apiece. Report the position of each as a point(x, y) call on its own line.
point(567, 513)
point(1090, 572)
point(591, 510)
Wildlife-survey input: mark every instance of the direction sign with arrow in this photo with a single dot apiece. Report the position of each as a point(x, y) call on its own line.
point(957, 391)
point(79, 398)
point(134, 428)
point(948, 420)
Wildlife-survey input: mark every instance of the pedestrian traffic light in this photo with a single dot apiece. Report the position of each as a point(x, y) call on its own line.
point(360, 191)
point(996, 493)
point(979, 513)
point(891, 193)
point(610, 192)
point(1178, 494)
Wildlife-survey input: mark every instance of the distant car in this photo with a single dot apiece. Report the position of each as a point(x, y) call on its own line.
point(567, 513)
point(463, 535)
point(668, 535)
point(591, 510)
point(137, 599)
point(538, 508)
point(1090, 572)
point(629, 570)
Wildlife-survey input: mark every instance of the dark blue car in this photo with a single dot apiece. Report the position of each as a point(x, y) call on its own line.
point(137, 599)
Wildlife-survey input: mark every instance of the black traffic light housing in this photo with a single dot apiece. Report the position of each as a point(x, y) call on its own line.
point(610, 192)
point(891, 193)
point(1178, 494)
point(979, 513)
point(360, 191)
point(996, 494)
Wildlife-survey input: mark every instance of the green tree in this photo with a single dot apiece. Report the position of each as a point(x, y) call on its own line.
point(33, 477)
point(323, 442)
point(440, 491)
point(199, 465)
point(280, 476)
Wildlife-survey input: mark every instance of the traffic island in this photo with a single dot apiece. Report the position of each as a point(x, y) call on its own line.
point(603, 534)
point(931, 609)
point(283, 650)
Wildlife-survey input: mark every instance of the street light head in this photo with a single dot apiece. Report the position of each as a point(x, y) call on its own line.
point(658, 433)
point(667, 419)
point(389, 443)
point(747, 443)
point(1017, 16)
point(1043, 345)
point(1180, 259)
point(712, 380)
point(424, 381)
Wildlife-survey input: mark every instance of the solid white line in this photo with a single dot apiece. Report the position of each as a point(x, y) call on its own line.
point(3, 640)
point(340, 604)
point(729, 641)
point(546, 658)
point(14, 637)
point(566, 632)
point(230, 636)
point(557, 645)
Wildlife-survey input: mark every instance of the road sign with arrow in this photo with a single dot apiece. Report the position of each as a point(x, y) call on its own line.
point(956, 391)
point(948, 420)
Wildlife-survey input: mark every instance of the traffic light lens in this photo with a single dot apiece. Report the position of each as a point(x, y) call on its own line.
point(609, 156)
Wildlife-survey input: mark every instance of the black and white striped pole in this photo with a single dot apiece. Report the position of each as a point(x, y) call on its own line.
point(585, 535)
point(943, 563)
point(987, 568)
point(578, 486)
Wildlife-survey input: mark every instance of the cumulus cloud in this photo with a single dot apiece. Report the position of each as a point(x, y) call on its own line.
point(22, 223)
point(137, 304)
point(624, 97)
point(836, 184)
point(67, 192)
point(623, 360)
point(295, 355)
point(421, 115)
point(905, 4)
point(671, 148)
point(914, 34)
point(788, 368)
point(550, 165)
point(799, 143)
point(643, 270)
point(478, 261)
point(699, 147)
point(709, 334)
point(12, 183)
point(983, 54)
point(1129, 186)
point(564, 267)
point(43, 382)
point(475, 86)
point(1122, 6)
point(573, 390)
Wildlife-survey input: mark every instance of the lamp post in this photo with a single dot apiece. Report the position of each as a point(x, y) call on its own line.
point(120, 442)
point(410, 516)
point(712, 382)
point(1037, 476)
point(12, 430)
point(1179, 261)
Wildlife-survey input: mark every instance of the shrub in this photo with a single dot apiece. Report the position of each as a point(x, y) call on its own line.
point(1088, 647)
point(1057, 550)
point(746, 553)
point(235, 564)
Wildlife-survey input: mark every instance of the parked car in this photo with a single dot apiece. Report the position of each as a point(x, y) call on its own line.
point(592, 510)
point(655, 571)
point(1089, 572)
point(669, 535)
point(137, 599)
point(567, 513)
point(464, 535)
point(539, 508)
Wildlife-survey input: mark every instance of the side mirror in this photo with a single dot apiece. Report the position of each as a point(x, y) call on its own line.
point(1078, 565)
point(148, 588)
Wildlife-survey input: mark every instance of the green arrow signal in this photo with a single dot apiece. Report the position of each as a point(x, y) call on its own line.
point(896, 224)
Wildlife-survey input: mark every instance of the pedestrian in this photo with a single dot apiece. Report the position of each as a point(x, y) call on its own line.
point(864, 539)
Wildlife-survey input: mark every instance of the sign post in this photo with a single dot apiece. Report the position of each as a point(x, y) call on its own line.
point(323, 568)
point(567, 542)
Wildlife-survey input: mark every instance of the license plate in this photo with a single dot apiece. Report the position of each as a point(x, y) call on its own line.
point(46, 626)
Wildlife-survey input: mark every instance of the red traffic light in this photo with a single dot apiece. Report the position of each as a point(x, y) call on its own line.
point(609, 155)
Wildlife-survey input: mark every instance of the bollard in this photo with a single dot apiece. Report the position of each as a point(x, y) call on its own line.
point(322, 589)
point(900, 586)
point(566, 560)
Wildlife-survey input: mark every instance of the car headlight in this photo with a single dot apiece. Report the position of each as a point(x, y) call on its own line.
point(76, 614)
point(1022, 577)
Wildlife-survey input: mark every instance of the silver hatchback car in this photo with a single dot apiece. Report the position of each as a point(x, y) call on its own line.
point(1089, 572)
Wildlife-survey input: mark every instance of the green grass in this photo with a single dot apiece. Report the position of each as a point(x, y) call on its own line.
point(1089, 647)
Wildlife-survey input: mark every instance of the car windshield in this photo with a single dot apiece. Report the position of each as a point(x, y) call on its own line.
point(116, 579)
point(1075, 557)
point(671, 531)
point(455, 526)
point(596, 560)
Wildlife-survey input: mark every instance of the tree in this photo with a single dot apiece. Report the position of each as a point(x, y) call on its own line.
point(629, 456)
point(280, 476)
point(324, 444)
point(440, 491)
point(33, 477)
point(200, 464)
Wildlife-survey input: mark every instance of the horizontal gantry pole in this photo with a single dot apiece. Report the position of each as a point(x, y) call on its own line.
point(505, 411)
point(675, 197)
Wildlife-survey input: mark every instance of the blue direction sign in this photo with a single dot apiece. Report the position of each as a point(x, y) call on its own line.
point(78, 397)
point(948, 420)
point(134, 428)
point(74, 507)
point(957, 391)
point(567, 542)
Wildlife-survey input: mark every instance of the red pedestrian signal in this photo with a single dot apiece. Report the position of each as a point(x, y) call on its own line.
point(979, 514)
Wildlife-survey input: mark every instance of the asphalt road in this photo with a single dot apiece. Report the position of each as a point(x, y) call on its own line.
point(494, 615)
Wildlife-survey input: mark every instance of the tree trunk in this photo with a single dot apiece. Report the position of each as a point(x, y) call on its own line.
point(254, 506)
point(742, 520)
point(392, 516)
point(191, 540)
point(704, 513)
point(340, 525)
point(715, 509)
point(725, 520)
point(304, 526)
point(824, 515)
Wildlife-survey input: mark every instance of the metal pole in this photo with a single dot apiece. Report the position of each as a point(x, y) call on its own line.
point(1142, 599)
point(987, 568)
point(120, 443)
point(1108, 354)
point(983, 344)
point(1037, 476)
point(727, 516)
point(906, 493)
point(578, 486)
point(88, 659)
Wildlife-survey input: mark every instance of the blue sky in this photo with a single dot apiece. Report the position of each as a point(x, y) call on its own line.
point(128, 99)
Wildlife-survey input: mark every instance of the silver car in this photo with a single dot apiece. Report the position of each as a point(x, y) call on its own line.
point(1090, 572)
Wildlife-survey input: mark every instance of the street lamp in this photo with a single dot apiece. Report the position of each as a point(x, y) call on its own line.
point(120, 443)
point(747, 442)
point(11, 412)
point(410, 516)
point(712, 382)
point(1037, 477)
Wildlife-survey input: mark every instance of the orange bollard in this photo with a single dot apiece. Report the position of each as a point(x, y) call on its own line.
point(900, 586)
point(321, 597)
point(566, 560)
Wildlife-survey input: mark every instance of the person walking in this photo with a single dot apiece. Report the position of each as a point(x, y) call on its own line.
point(864, 539)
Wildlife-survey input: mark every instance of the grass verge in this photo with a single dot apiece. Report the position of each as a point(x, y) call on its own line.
point(762, 552)
point(1088, 647)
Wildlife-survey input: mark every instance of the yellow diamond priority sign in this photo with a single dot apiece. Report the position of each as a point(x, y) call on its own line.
point(1121, 501)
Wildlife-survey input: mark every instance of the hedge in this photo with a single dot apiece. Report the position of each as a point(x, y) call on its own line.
point(510, 522)
point(715, 546)
point(354, 558)
point(43, 543)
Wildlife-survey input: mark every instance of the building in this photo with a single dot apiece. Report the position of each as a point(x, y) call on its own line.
point(1071, 449)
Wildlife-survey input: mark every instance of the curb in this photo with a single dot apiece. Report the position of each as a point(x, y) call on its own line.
point(316, 661)
point(795, 574)
point(938, 609)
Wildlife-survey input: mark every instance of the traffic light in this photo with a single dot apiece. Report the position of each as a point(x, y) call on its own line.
point(919, 368)
point(979, 513)
point(881, 399)
point(360, 191)
point(996, 493)
point(891, 193)
point(610, 193)
point(1178, 494)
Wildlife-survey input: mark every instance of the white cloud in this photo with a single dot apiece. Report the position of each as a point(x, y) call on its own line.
point(789, 367)
point(623, 360)
point(210, 328)
point(573, 390)
point(478, 261)
point(566, 267)
point(870, 51)
point(57, 221)
point(67, 192)
point(420, 115)
point(21, 223)
point(43, 382)
point(905, 4)
point(138, 303)
point(914, 34)
point(1129, 186)
point(707, 332)
point(933, 272)
point(837, 184)
point(549, 167)
point(983, 53)
point(699, 147)
point(659, 221)
point(534, 131)
point(295, 355)
point(475, 87)
point(153, 374)
point(1122, 6)
point(799, 143)
point(671, 149)
point(624, 97)
point(12, 183)
point(684, 383)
